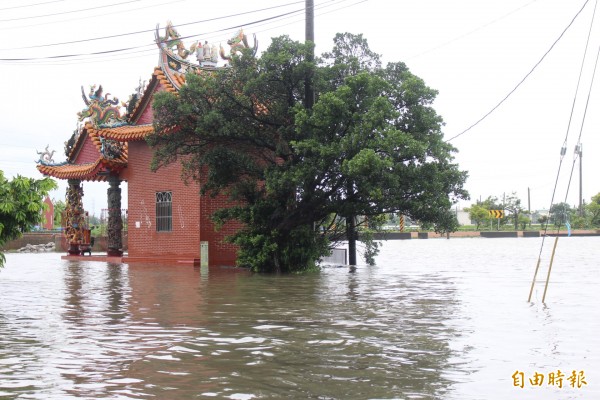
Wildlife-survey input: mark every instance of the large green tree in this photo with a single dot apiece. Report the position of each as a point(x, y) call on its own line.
point(59, 209)
point(512, 203)
point(371, 144)
point(560, 213)
point(479, 214)
point(21, 205)
point(593, 210)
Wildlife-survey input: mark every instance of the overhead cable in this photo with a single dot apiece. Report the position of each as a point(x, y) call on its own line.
point(471, 31)
point(137, 47)
point(562, 155)
point(79, 18)
point(30, 5)
point(151, 30)
point(524, 78)
point(70, 12)
point(73, 58)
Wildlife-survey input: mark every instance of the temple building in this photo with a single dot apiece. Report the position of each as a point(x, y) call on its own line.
point(167, 219)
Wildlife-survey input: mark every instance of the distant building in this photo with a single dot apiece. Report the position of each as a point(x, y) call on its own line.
point(535, 215)
point(48, 213)
point(463, 217)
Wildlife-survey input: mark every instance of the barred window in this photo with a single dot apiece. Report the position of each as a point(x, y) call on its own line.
point(164, 211)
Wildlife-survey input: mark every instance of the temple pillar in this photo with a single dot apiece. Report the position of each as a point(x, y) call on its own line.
point(74, 217)
point(115, 222)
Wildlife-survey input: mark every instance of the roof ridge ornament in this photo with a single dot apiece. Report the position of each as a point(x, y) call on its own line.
point(238, 43)
point(46, 157)
point(111, 148)
point(172, 42)
point(174, 54)
point(101, 110)
point(207, 55)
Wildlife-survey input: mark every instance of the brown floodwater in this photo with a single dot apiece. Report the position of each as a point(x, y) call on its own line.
point(435, 319)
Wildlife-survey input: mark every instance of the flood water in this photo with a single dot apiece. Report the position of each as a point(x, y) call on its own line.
point(435, 319)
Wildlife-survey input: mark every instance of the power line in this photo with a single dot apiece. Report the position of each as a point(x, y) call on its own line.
point(524, 78)
point(70, 12)
point(137, 47)
point(30, 5)
point(471, 32)
point(69, 59)
point(150, 30)
point(162, 4)
point(318, 7)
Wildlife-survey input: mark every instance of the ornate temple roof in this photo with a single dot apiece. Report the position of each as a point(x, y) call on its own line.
point(100, 147)
point(96, 171)
point(123, 134)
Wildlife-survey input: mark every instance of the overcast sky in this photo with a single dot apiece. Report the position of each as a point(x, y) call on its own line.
point(473, 52)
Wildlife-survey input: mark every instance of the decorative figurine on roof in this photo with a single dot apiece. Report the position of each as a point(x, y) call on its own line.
point(172, 41)
point(237, 44)
point(102, 111)
point(207, 55)
point(111, 149)
point(72, 140)
point(135, 97)
point(46, 156)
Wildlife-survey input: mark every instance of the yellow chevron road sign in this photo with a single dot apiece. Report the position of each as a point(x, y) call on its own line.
point(496, 213)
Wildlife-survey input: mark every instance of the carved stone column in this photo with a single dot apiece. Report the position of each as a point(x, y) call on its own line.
point(115, 222)
point(74, 216)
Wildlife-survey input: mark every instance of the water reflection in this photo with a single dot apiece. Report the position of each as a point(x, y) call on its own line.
point(301, 337)
point(117, 287)
point(73, 277)
point(441, 327)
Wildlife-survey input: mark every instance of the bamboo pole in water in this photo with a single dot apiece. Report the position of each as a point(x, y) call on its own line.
point(537, 267)
point(549, 269)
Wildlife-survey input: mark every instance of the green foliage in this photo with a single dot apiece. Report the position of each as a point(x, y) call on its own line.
point(559, 213)
point(21, 205)
point(371, 225)
point(523, 221)
point(479, 214)
point(59, 209)
point(593, 210)
point(372, 144)
point(543, 220)
point(577, 221)
point(512, 204)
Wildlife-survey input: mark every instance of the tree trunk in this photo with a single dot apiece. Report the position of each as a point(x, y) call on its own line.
point(351, 235)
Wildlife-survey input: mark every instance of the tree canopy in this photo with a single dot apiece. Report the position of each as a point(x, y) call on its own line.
point(371, 144)
point(594, 210)
point(21, 205)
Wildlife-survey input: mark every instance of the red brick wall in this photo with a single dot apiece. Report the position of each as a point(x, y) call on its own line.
point(147, 115)
point(190, 226)
point(144, 240)
point(191, 212)
point(220, 252)
point(87, 154)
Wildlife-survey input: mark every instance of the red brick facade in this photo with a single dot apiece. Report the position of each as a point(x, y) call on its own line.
point(191, 226)
point(86, 153)
point(191, 213)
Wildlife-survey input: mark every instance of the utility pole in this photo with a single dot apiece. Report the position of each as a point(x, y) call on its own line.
point(309, 101)
point(309, 36)
point(529, 206)
point(351, 236)
point(580, 150)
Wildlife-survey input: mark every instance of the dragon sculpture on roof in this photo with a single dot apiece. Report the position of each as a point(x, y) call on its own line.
point(102, 111)
point(172, 41)
point(237, 44)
